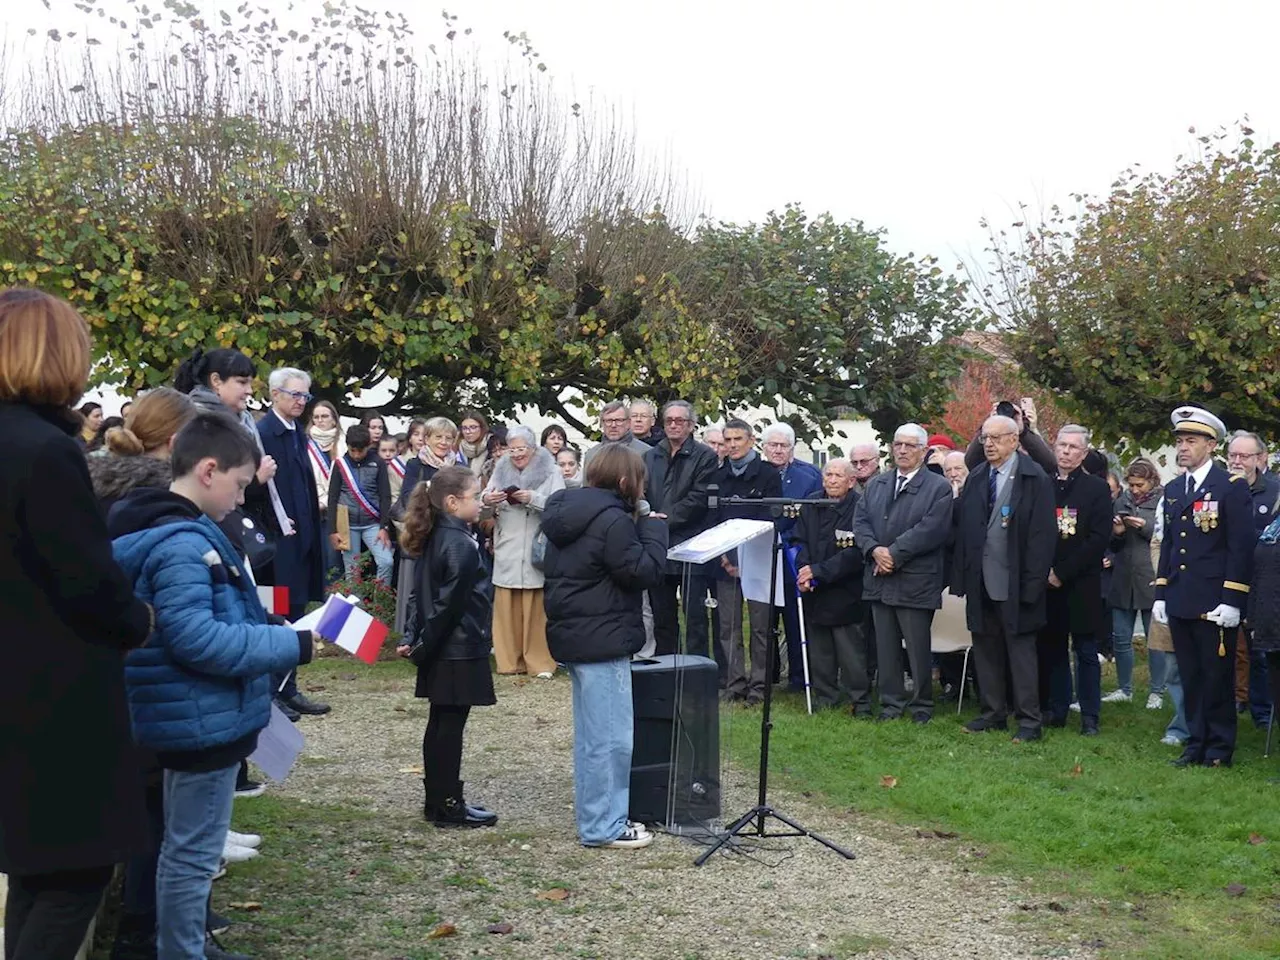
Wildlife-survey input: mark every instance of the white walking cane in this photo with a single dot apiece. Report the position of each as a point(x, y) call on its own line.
point(804, 656)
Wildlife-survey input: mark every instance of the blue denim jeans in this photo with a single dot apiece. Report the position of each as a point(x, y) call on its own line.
point(1122, 624)
point(602, 738)
point(197, 813)
point(1173, 684)
point(384, 557)
point(1160, 663)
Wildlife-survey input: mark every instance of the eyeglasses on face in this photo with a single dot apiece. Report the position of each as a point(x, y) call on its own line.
point(615, 421)
point(298, 395)
point(906, 445)
point(674, 420)
point(863, 463)
point(994, 437)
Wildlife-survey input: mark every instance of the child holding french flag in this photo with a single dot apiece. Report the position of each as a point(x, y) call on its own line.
point(448, 634)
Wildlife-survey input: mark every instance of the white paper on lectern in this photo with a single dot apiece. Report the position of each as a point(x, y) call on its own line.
point(755, 560)
point(720, 539)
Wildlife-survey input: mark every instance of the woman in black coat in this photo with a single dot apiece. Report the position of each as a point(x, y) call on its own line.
point(601, 557)
point(448, 634)
point(70, 790)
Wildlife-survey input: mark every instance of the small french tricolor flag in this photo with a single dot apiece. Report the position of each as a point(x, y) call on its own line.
point(275, 600)
point(352, 629)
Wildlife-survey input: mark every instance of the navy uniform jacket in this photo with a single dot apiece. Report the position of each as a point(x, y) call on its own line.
point(1199, 568)
point(1265, 493)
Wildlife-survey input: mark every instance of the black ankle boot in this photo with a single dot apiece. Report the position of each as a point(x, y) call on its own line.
point(454, 813)
point(475, 809)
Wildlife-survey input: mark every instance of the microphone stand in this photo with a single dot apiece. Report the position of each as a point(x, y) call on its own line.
point(753, 822)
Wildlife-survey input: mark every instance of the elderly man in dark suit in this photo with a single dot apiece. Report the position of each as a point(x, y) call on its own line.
point(1005, 540)
point(902, 525)
point(1075, 605)
point(829, 575)
point(292, 512)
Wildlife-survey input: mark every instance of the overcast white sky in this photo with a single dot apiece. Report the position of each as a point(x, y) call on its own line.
point(917, 117)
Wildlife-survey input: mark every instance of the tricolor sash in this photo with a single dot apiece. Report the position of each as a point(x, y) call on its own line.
point(350, 479)
point(320, 459)
point(397, 465)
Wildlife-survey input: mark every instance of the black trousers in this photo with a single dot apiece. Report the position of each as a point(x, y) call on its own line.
point(1208, 686)
point(1006, 669)
point(838, 667)
point(47, 915)
point(442, 752)
point(667, 608)
point(896, 626)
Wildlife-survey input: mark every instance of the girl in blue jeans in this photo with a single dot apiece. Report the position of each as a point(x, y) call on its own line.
point(603, 552)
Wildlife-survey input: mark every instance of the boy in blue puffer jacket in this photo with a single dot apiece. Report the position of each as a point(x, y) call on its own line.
point(200, 689)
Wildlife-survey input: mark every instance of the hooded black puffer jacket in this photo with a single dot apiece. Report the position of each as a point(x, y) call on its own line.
point(599, 562)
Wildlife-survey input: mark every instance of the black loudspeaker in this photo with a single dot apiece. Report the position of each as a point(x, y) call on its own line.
point(675, 760)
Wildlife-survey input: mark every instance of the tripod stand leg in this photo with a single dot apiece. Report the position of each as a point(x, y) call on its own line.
point(805, 831)
point(733, 831)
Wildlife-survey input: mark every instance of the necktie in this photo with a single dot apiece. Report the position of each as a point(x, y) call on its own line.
point(991, 486)
point(1191, 485)
point(902, 482)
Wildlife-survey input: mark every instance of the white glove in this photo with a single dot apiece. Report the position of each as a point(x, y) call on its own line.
point(1157, 612)
point(1224, 616)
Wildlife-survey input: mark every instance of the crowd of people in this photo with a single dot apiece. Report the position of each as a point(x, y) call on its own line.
point(146, 665)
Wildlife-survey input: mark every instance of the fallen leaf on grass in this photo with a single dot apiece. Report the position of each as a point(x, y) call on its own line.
point(539, 722)
point(888, 781)
point(521, 682)
point(441, 931)
point(250, 905)
point(400, 709)
point(317, 689)
point(1235, 889)
point(555, 893)
point(1077, 770)
point(1256, 839)
point(499, 928)
point(936, 835)
point(417, 770)
point(980, 854)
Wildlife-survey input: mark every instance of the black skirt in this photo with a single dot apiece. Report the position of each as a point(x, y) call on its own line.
point(456, 683)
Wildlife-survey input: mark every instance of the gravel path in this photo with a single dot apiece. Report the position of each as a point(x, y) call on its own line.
point(896, 900)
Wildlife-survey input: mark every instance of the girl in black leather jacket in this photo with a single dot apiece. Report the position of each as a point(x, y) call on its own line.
point(448, 634)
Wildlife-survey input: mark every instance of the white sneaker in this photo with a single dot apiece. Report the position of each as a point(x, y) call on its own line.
point(1074, 708)
point(1102, 659)
point(1117, 696)
point(545, 675)
point(251, 840)
point(1154, 701)
point(633, 837)
point(234, 854)
point(1169, 740)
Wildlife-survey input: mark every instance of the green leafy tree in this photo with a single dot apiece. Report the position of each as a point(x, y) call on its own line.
point(1166, 291)
point(824, 316)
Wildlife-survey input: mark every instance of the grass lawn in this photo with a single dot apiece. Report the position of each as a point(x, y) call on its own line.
point(1151, 859)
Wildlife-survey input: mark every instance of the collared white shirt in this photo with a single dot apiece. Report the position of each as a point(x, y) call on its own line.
point(903, 479)
point(289, 424)
point(1198, 475)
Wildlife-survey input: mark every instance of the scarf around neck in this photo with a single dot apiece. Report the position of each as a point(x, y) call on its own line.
point(473, 450)
point(739, 467)
point(431, 460)
point(325, 439)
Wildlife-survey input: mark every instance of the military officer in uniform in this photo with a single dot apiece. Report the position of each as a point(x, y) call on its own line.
point(1202, 582)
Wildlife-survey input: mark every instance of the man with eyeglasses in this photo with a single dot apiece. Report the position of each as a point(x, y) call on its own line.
point(299, 557)
point(1030, 443)
point(1006, 536)
point(902, 526)
point(680, 470)
point(644, 425)
point(1202, 583)
point(865, 460)
point(1247, 457)
point(615, 430)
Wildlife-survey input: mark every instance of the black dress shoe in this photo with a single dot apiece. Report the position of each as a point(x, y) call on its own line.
point(1186, 760)
point(887, 717)
point(308, 707)
point(1055, 722)
point(1088, 727)
point(1027, 734)
point(287, 710)
point(982, 725)
point(921, 718)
